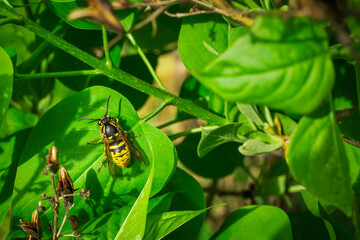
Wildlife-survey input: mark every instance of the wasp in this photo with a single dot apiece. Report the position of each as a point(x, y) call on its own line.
point(117, 147)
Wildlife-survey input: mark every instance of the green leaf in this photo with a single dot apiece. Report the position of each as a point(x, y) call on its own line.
point(59, 127)
point(6, 82)
point(202, 38)
point(256, 222)
point(287, 124)
point(160, 203)
point(160, 225)
point(255, 146)
point(212, 138)
point(220, 162)
point(135, 222)
point(189, 196)
point(23, 120)
point(320, 164)
point(251, 112)
point(11, 149)
point(274, 64)
point(312, 203)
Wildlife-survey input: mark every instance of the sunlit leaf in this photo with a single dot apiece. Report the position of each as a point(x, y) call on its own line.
point(283, 64)
point(317, 159)
point(256, 222)
point(59, 127)
point(6, 82)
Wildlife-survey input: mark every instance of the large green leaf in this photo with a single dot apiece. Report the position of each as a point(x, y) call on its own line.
point(11, 149)
point(6, 82)
point(220, 162)
point(318, 161)
point(256, 222)
point(202, 38)
point(283, 64)
point(59, 127)
point(134, 224)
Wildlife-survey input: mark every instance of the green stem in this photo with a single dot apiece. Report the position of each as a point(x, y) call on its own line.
point(155, 112)
point(9, 20)
point(287, 201)
point(19, 76)
point(116, 74)
point(191, 131)
point(106, 47)
point(146, 61)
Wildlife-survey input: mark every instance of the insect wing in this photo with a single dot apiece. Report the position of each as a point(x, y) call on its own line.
point(111, 163)
point(132, 148)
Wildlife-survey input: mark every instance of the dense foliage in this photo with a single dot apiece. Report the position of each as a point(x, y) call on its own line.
point(273, 82)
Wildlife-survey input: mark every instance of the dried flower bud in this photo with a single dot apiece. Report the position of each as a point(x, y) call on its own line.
point(33, 228)
point(52, 162)
point(65, 186)
point(100, 11)
point(49, 227)
point(74, 221)
point(85, 194)
point(78, 235)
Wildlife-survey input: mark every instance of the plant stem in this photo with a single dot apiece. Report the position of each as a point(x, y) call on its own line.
point(191, 131)
point(287, 201)
point(146, 61)
point(19, 76)
point(9, 20)
point(116, 74)
point(64, 220)
point(155, 112)
point(106, 47)
point(169, 123)
point(56, 207)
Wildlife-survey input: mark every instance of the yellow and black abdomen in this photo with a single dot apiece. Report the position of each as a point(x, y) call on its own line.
point(120, 153)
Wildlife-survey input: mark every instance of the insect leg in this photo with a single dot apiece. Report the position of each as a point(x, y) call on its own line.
point(96, 142)
point(132, 135)
point(102, 162)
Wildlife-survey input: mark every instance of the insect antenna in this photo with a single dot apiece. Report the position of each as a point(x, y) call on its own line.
point(91, 119)
point(107, 106)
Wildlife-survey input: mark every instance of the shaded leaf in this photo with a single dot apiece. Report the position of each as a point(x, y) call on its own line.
point(255, 146)
point(189, 196)
point(209, 166)
point(10, 149)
